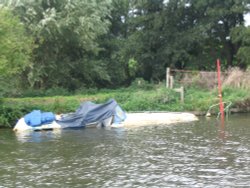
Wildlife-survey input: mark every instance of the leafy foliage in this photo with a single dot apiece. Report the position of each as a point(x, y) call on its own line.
point(15, 46)
point(9, 115)
point(109, 43)
point(66, 34)
point(15, 50)
point(241, 37)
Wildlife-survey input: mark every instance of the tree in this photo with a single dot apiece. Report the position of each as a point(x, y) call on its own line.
point(82, 43)
point(241, 38)
point(114, 43)
point(15, 45)
point(220, 17)
point(183, 33)
point(15, 49)
point(66, 34)
point(144, 38)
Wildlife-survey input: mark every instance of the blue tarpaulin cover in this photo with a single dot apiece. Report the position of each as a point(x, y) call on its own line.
point(89, 112)
point(37, 118)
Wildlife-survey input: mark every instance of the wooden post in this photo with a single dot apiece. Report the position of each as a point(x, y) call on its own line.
point(182, 94)
point(167, 77)
point(181, 91)
point(171, 80)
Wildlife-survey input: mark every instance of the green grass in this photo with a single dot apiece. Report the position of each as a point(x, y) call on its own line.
point(153, 98)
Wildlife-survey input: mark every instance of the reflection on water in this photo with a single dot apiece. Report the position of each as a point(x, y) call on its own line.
point(38, 136)
point(203, 154)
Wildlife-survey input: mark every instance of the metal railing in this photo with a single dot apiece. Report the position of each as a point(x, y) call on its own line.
point(226, 109)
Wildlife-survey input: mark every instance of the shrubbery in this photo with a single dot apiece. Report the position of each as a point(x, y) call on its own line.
point(142, 97)
point(10, 114)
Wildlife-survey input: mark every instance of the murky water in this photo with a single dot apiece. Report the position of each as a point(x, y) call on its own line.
point(201, 154)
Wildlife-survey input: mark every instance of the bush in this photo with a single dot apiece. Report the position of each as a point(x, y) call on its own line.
point(57, 91)
point(32, 93)
point(140, 83)
point(156, 99)
point(9, 115)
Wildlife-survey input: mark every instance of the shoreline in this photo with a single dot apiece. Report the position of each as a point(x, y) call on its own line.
point(154, 120)
point(157, 100)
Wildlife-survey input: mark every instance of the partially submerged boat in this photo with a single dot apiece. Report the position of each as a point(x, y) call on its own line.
point(89, 114)
point(157, 118)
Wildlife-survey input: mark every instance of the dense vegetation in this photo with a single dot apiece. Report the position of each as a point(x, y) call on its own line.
point(79, 47)
point(143, 97)
point(82, 44)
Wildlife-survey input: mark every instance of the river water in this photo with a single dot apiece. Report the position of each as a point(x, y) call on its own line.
point(200, 154)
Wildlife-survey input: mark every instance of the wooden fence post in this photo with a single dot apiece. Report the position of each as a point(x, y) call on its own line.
point(182, 94)
point(181, 91)
point(171, 80)
point(167, 77)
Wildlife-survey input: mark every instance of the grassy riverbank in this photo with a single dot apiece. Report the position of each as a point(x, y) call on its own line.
point(145, 98)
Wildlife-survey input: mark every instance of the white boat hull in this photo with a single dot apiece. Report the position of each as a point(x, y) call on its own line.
point(133, 120)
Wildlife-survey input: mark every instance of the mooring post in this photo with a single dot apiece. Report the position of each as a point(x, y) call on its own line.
point(220, 90)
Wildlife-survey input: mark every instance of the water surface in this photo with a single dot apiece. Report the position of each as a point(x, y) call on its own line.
point(201, 154)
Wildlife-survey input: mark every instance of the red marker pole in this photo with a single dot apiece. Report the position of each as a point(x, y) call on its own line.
point(219, 90)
